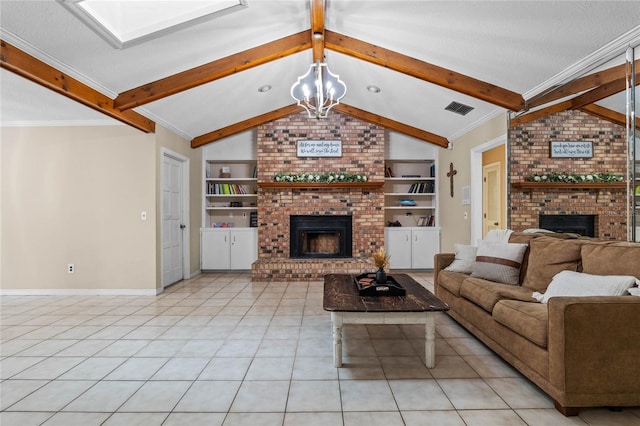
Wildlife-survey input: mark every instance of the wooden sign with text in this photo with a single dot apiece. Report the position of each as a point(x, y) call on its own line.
point(570, 149)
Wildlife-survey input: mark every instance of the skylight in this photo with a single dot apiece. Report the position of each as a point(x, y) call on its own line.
point(125, 23)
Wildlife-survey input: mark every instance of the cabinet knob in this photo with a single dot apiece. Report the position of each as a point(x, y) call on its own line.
point(182, 226)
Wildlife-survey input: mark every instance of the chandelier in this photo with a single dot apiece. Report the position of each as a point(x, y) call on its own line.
point(318, 90)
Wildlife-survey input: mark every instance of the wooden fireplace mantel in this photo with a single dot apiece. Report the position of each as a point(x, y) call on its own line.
point(567, 185)
point(319, 185)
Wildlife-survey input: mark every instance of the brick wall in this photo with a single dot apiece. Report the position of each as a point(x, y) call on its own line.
point(529, 153)
point(362, 152)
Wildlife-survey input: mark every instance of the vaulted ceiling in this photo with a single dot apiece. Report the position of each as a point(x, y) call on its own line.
point(203, 80)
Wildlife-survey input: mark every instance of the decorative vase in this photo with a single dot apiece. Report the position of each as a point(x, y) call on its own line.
point(381, 276)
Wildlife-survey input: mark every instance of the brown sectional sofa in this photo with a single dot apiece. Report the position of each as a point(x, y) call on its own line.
point(582, 351)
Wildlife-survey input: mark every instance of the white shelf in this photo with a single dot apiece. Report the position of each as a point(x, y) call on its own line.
point(409, 208)
point(232, 195)
point(231, 208)
point(409, 194)
point(232, 180)
point(217, 204)
point(410, 174)
point(408, 179)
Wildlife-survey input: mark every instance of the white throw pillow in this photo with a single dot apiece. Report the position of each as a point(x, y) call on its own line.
point(499, 262)
point(464, 260)
point(569, 283)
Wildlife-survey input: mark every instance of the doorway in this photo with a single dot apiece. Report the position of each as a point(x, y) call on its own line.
point(491, 198)
point(477, 186)
point(174, 211)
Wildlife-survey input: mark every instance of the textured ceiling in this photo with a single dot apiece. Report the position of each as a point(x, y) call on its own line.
point(518, 45)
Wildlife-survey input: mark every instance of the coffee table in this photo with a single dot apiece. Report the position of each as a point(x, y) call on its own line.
point(419, 306)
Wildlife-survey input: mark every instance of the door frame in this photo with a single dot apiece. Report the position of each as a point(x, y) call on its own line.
point(186, 240)
point(476, 184)
point(495, 166)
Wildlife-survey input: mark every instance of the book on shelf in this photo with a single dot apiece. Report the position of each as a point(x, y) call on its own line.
point(388, 172)
point(428, 220)
point(422, 187)
point(225, 189)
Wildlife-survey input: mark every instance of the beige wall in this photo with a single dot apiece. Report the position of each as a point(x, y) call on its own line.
point(455, 228)
point(173, 142)
point(74, 195)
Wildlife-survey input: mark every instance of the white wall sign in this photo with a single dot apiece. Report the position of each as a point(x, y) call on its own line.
point(559, 149)
point(319, 148)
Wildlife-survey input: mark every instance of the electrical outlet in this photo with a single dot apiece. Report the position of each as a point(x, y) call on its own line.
point(71, 268)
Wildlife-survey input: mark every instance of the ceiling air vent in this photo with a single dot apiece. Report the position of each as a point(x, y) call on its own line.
point(459, 108)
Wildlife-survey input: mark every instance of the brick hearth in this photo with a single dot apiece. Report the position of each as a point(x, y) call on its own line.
point(362, 152)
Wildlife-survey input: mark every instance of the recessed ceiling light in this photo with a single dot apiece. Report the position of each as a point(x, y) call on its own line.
point(373, 89)
point(264, 88)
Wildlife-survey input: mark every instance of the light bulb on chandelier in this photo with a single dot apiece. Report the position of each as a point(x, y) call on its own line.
point(328, 89)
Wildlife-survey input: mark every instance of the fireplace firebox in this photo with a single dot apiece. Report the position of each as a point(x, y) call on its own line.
point(320, 236)
point(583, 224)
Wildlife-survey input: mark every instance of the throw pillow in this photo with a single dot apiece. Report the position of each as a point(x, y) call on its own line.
point(464, 260)
point(569, 283)
point(499, 262)
point(547, 257)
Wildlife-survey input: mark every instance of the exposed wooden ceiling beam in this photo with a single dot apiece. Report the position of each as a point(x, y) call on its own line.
point(580, 85)
point(213, 70)
point(608, 114)
point(25, 65)
point(535, 115)
point(317, 30)
point(601, 92)
point(241, 126)
point(424, 71)
point(250, 123)
point(392, 124)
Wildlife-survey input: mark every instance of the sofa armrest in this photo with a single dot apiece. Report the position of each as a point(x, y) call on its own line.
point(441, 261)
point(594, 346)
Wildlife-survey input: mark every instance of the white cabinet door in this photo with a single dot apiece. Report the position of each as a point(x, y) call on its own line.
point(398, 247)
point(244, 248)
point(425, 245)
point(214, 249)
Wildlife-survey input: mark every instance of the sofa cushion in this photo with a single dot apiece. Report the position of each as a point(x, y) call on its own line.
point(569, 283)
point(529, 320)
point(547, 257)
point(611, 259)
point(465, 257)
point(487, 293)
point(451, 281)
point(499, 262)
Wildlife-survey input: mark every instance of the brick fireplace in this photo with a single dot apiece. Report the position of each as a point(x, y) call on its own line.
point(529, 153)
point(362, 152)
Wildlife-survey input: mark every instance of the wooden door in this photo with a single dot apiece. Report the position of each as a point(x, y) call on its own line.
point(491, 198)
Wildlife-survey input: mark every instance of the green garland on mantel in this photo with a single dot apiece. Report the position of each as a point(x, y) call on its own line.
point(575, 177)
point(327, 177)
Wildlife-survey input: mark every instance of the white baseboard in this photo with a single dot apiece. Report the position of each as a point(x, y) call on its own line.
point(80, 292)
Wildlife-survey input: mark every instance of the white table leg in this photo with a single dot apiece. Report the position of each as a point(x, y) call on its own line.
point(336, 324)
point(430, 340)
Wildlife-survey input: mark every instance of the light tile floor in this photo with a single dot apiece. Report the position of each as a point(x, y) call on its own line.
point(221, 350)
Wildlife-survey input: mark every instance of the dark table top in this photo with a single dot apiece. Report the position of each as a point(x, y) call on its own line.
point(341, 295)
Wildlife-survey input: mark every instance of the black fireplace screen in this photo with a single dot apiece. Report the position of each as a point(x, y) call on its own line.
point(583, 224)
point(320, 236)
